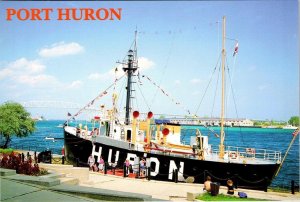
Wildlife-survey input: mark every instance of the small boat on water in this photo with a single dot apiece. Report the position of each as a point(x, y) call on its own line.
point(117, 137)
point(290, 127)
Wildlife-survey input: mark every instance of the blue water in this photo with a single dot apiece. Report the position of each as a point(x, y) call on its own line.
point(274, 139)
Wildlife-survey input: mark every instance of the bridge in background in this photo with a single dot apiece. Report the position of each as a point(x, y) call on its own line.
point(51, 104)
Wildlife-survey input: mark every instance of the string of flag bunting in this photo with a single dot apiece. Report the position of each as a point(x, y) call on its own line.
point(166, 94)
point(96, 98)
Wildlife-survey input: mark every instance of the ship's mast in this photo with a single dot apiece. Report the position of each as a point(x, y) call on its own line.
point(222, 135)
point(130, 69)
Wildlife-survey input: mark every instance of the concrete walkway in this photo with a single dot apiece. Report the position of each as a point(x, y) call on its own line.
point(170, 190)
point(16, 188)
point(29, 188)
point(15, 191)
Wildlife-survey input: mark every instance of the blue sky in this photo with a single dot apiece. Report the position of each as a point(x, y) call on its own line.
point(178, 47)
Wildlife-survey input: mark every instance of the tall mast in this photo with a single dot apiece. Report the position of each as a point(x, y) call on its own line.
point(222, 135)
point(130, 69)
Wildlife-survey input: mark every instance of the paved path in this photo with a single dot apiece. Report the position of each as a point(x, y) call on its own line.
point(170, 190)
point(15, 191)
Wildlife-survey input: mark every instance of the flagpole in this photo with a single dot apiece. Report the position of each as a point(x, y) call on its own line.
point(295, 134)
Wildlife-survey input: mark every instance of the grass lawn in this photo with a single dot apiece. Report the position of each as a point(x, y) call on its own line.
point(57, 160)
point(222, 197)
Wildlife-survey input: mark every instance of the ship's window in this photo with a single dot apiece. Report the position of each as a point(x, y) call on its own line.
point(128, 135)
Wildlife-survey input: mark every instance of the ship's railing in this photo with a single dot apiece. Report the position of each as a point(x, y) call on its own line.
point(234, 152)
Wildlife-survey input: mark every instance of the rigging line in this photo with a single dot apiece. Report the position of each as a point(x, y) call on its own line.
point(232, 39)
point(166, 94)
point(234, 101)
point(132, 45)
point(139, 84)
point(120, 93)
point(164, 69)
point(92, 102)
point(135, 94)
point(208, 85)
point(215, 95)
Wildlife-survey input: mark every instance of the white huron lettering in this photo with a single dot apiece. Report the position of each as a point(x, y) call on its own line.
point(131, 157)
point(156, 170)
point(173, 167)
point(97, 153)
point(109, 156)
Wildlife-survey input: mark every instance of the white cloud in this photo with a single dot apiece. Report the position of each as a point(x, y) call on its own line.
point(145, 63)
point(24, 71)
point(111, 74)
point(36, 80)
point(195, 81)
point(177, 82)
point(75, 84)
point(22, 66)
point(61, 49)
point(97, 76)
point(6, 72)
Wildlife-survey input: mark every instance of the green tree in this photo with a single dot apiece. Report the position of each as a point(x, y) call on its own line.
point(294, 120)
point(14, 121)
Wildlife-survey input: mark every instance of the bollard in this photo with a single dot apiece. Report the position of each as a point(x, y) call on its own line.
point(293, 186)
point(105, 168)
point(235, 181)
point(50, 158)
point(23, 157)
point(173, 175)
point(35, 157)
point(139, 171)
point(176, 176)
point(63, 160)
point(113, 169)
point(267, 182)
point(77, 162)
point(124, 170)
point(148, 173)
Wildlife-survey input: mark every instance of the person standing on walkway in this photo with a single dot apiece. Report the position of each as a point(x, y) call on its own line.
point(142, 167)
point(101, 164)
point(91, 161)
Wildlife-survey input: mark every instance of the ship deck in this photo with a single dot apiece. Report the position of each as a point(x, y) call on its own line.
point(237, 155)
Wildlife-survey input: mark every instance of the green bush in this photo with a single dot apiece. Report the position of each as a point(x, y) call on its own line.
point(6, 151)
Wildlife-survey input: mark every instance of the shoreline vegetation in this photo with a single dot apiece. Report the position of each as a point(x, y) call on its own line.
point(293, 121)
point(223, 197)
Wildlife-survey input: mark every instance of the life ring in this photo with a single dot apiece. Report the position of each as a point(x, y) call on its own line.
point(233, 155)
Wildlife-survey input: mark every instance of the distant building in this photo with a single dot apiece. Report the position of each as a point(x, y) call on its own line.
point(213, 121)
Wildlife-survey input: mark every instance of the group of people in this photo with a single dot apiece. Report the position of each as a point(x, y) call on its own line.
point(207, 187)
point(96, 166)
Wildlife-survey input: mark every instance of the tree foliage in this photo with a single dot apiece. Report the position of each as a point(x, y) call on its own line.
point(294, 120)
point(14, 120)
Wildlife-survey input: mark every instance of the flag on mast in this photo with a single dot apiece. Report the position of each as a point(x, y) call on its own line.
point(296, 132)
point(236, 48)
